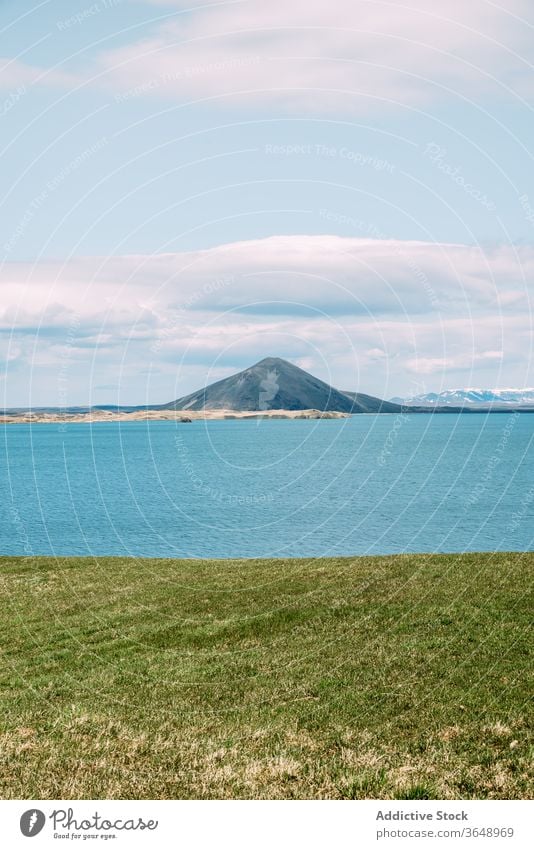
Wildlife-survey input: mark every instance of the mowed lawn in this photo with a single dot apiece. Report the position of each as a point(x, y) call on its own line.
point(392, 677)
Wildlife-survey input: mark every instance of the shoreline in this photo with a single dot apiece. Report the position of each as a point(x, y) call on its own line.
point(181, 416)
point(189, 416)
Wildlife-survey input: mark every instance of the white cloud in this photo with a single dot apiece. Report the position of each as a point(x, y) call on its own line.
point(288, 275)
point(369, 313)
point(344, 55)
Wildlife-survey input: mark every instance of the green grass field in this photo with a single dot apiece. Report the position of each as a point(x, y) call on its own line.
point(393, 677)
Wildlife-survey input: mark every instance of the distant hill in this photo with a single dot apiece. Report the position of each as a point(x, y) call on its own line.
point(473, 398)
point(276, 384)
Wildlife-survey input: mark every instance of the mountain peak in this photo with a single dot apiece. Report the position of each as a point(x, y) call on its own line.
point(273, 362)
point(277, 384)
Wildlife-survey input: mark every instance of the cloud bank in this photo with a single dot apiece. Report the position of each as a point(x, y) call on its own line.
point(383, 316)
point(344, 56)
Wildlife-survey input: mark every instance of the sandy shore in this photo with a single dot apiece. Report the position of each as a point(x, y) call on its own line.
point(163, 415)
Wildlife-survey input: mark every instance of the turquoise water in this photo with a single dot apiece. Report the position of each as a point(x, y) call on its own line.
point(366, 485)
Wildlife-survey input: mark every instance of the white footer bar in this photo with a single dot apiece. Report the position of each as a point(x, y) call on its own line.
point(268, 824)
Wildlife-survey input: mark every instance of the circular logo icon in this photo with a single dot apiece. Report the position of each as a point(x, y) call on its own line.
point(32, 822)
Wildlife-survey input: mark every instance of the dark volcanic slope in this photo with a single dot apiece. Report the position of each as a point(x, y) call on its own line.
point(275, 384)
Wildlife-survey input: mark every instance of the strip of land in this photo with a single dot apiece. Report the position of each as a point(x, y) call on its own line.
point(164, 415)
point(392, 677)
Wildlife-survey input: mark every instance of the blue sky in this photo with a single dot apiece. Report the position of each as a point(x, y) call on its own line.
point(189, 187)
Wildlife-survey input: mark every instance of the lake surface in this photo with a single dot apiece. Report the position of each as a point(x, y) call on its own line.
point(365, 485)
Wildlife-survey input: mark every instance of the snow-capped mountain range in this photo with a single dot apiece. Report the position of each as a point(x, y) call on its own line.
point(472, 397)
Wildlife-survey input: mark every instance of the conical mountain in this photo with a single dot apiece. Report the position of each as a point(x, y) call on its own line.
point(276, 384)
